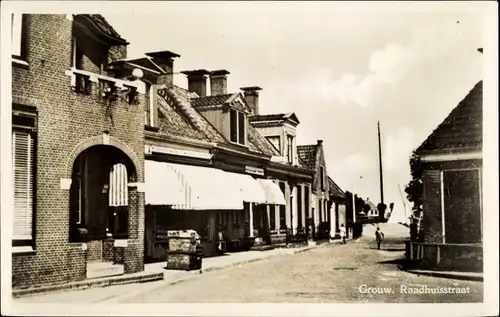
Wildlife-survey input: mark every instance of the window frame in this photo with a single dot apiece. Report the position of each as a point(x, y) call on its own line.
point(28, 243)
point(239, 117)
point(18, 29)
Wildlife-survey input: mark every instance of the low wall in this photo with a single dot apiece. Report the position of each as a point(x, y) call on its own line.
point(443, 256)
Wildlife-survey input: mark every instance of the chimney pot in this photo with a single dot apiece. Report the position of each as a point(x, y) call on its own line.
point(252, 98)
point(218, 82)
point(197, 81)
point(164, 59)
point(320, 142)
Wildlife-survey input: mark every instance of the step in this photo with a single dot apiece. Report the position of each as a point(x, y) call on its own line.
point(103, 269)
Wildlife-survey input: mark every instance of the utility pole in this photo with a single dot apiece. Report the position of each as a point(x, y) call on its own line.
point(380, 164)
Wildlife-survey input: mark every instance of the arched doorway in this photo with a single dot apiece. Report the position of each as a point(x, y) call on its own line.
point(99, 198)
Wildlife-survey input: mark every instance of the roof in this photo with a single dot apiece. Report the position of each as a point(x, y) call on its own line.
point(335, 190)
point(275, 116)
point(462, 128)
point(307, 154)
point(185, 121)
point(180, 118)
point(103, 26)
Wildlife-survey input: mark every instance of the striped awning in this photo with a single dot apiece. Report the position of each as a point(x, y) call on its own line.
point(190, 187)
point(118, 186)
point(250, 188)
point(274, 195)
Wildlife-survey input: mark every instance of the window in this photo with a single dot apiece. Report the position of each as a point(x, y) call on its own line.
point(289, 151)
point(275, 141)
point(306, 202)
point(282, 208)
point(23, 172)
point(237, 127)
point(322, 177)
point(462, 206)
point(272, 218)
point(16, 35)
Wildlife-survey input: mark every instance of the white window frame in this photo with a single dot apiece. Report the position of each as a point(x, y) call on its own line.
point(238, 112)
point(16, 35)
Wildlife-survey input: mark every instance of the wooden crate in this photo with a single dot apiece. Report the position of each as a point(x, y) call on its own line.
point(184, 262)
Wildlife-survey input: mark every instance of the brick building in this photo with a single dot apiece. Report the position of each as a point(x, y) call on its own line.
point(452, 198)
point(77, 150)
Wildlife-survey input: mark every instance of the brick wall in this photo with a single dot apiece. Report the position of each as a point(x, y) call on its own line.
point(65, 120)
point(432, 206)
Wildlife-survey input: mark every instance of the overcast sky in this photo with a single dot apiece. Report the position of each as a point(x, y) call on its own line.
point(340, 67)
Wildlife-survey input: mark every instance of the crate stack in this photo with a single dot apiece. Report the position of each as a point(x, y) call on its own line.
point(184, 250)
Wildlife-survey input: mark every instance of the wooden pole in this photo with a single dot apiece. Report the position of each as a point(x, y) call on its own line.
point(380, 164)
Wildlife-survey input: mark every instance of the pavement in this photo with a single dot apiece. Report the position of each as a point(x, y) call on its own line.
point(121, 293)
point(329, 273)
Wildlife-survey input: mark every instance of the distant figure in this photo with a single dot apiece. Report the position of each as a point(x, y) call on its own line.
point(379, 236)
point(342, 234)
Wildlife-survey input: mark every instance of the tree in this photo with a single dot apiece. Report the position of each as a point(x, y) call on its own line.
point(415, 188)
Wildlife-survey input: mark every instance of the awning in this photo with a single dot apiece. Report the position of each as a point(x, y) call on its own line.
point(274, 195)
point(190, 187)
point(250, 188)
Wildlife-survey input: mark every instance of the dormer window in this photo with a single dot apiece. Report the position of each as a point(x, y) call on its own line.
point(237, 127)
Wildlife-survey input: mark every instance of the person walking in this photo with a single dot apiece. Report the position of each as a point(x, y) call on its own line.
point(342, 234)
point(379, 236)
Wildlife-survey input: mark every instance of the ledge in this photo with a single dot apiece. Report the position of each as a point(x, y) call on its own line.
point(20, 63)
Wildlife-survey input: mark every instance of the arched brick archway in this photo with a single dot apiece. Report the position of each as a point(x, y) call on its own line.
point(103, 140)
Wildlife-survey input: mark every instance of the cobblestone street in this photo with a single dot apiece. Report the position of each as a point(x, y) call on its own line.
point(330, 273)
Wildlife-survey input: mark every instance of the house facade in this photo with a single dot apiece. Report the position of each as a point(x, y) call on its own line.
point(77, 150)
point(204, 146)
point(320, 217)
point(336, 208)
point(452, 198)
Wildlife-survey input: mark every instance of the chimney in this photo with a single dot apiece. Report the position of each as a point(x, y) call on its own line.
point(164, 59)
point(320, 142)
point(252, 98)
point(197, 81)
point(480, 50)
point(218, 82)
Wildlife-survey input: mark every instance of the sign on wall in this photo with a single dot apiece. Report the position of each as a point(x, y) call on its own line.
point(254, 170)
point(150, 149)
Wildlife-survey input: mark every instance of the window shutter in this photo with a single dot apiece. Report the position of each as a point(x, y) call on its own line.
point(23, 167)
point(118, 186)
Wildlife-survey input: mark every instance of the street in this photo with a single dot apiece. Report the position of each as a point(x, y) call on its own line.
point(331, 273)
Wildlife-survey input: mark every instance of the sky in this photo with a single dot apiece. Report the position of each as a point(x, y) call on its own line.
point(340, 67)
